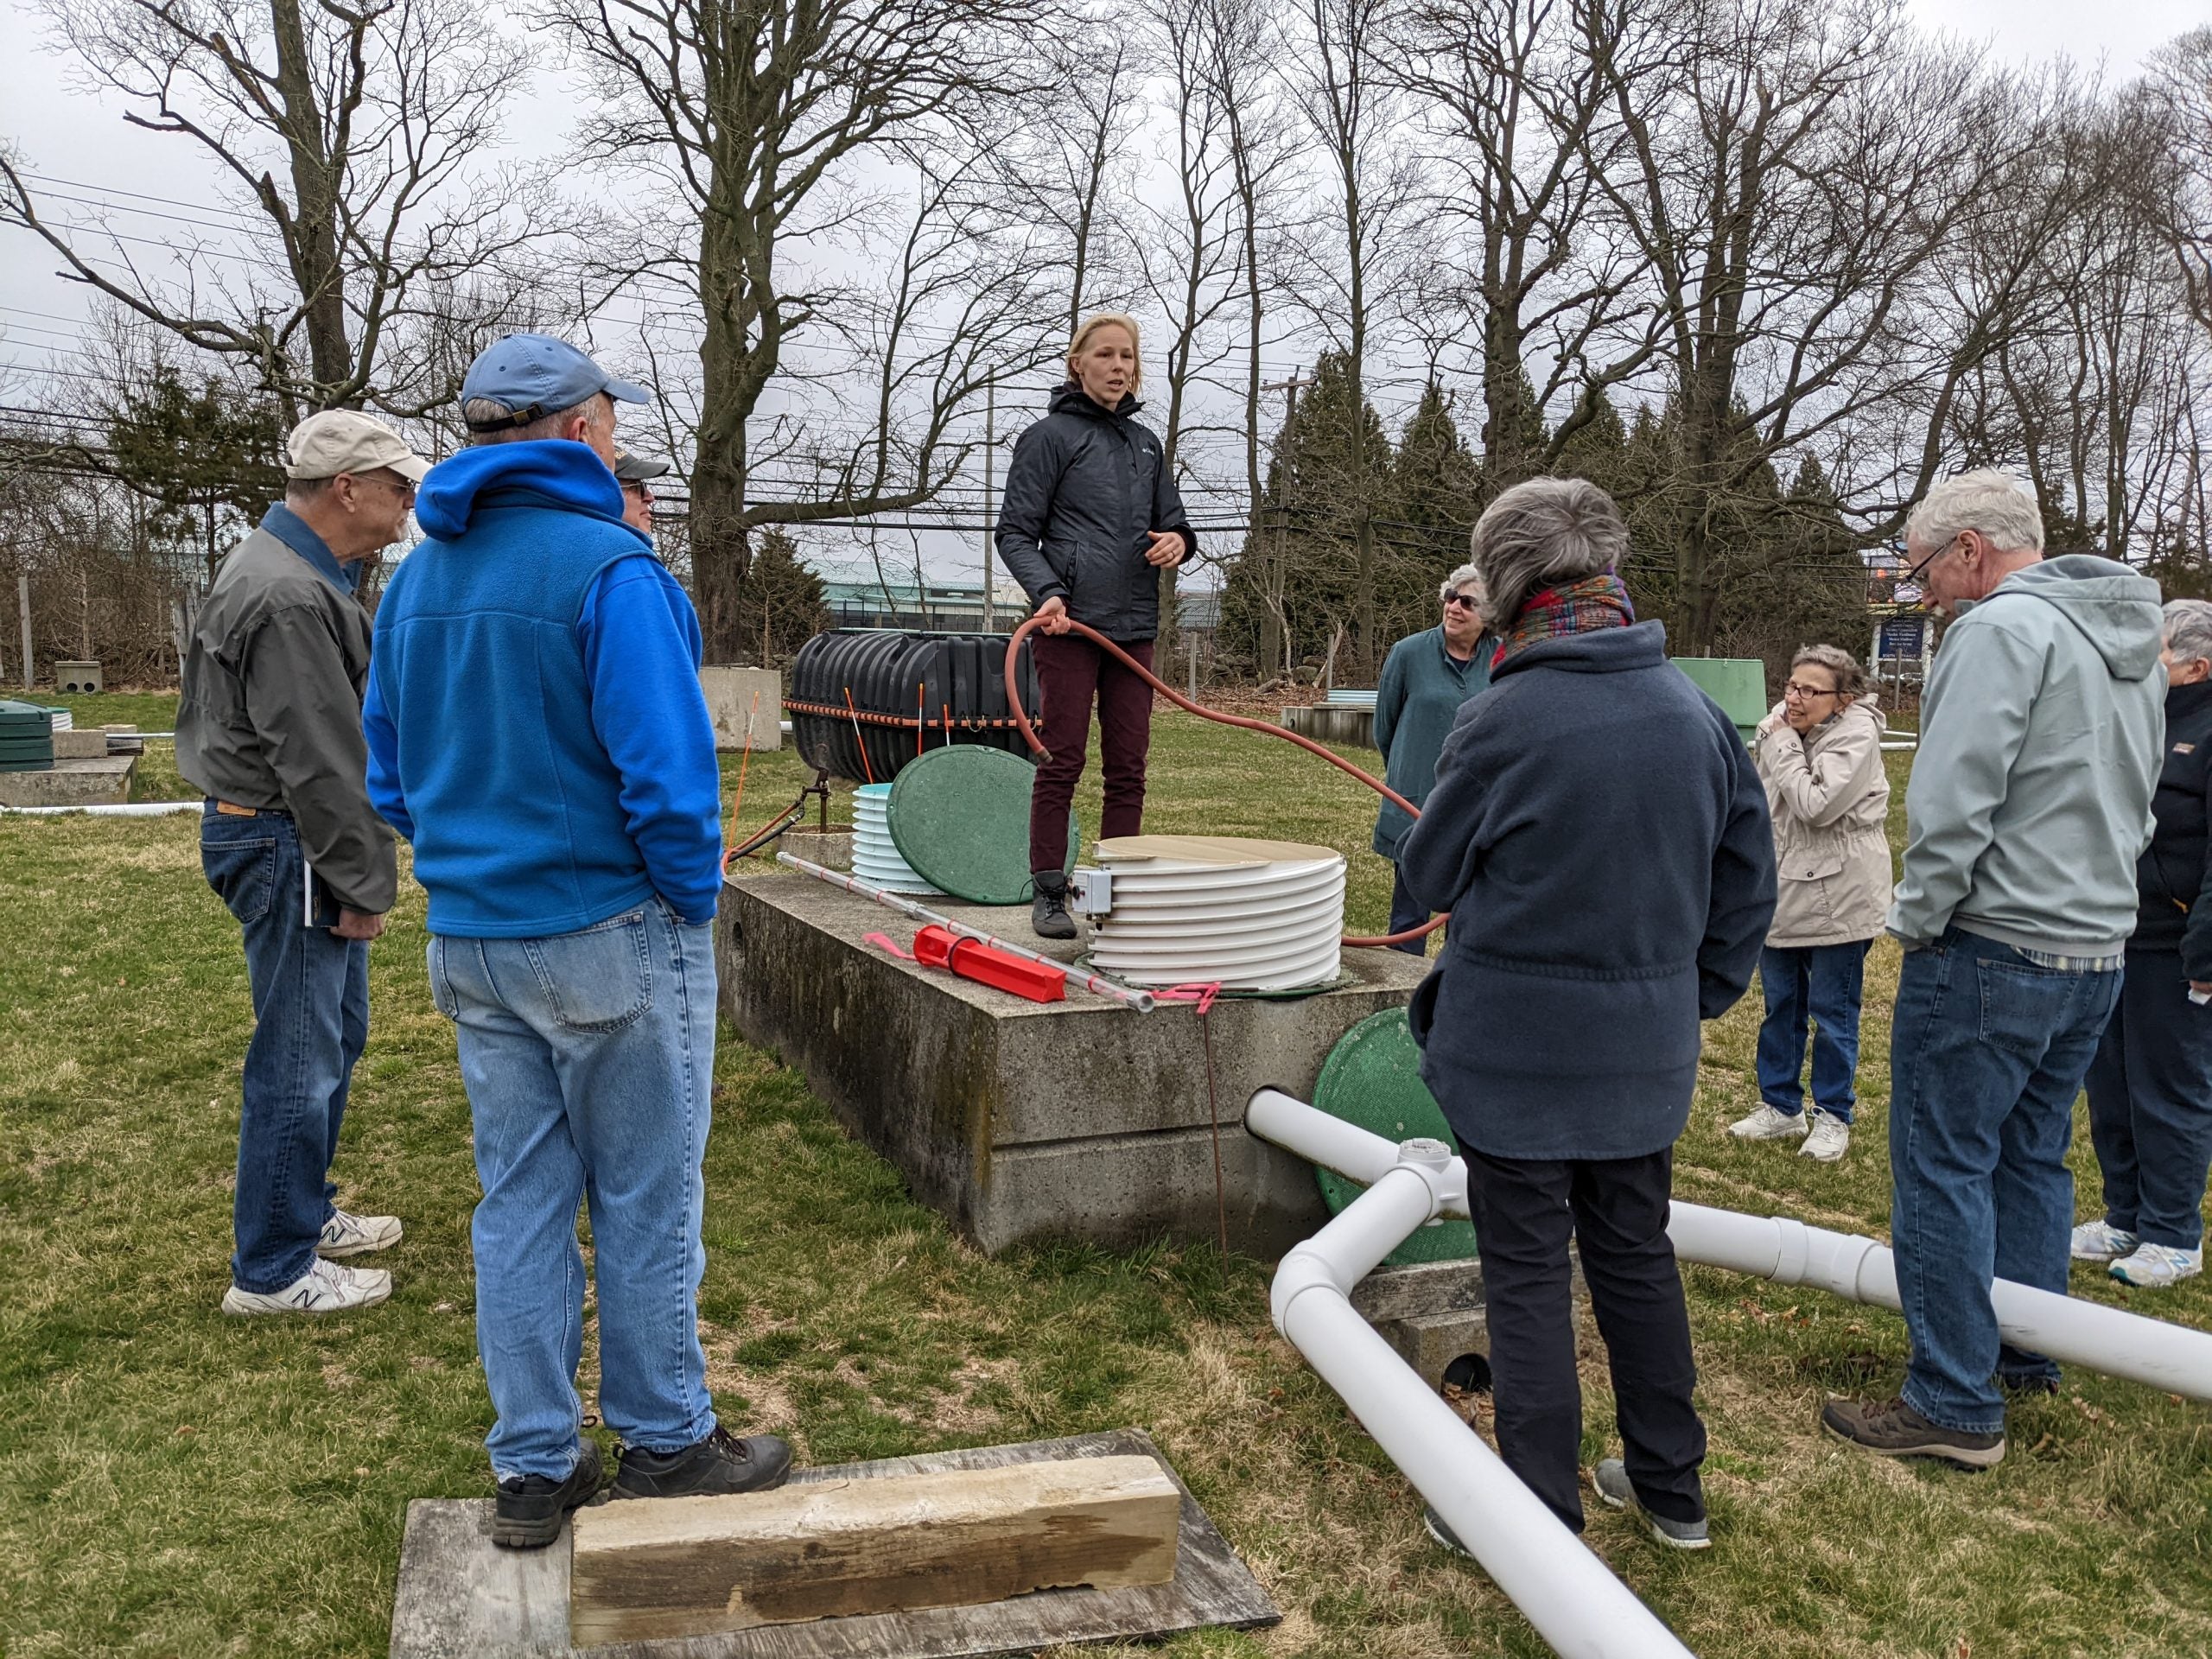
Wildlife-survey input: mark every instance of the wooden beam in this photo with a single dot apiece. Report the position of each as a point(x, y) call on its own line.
point(647, 1568)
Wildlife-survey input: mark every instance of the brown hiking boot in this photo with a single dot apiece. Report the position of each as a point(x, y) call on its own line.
point(1895, 1430)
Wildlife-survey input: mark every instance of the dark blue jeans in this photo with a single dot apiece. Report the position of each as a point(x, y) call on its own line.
point(2151, 1104)
point(310, 1023)
point(1986, 1055)
point(1406, 911)
point(1819, 983)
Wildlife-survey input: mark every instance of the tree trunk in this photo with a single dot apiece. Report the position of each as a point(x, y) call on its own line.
point(317, 182)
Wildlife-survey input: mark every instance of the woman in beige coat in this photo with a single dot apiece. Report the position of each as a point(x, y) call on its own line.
point(1819, 753)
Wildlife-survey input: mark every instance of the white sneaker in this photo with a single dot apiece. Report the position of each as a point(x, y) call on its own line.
point(1827, 1140)
point(326, 1287)
point(2154, 1266)
point(2100, 1241)
point(348, 1235)
point(1768, 1124)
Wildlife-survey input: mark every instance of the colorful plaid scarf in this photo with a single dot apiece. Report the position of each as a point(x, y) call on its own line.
point(1576, 607)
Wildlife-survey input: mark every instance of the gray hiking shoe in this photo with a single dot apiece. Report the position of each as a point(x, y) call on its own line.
point(1614, 1486)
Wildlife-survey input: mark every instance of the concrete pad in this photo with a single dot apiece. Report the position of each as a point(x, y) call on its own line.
point(742, 701)
point(1352, 727)
point(1022, 1120)
point(461, 1597)
point(71, 783)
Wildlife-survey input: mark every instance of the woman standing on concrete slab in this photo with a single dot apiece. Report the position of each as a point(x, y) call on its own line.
point(1091, 518)
point(1425, 679)
point(1820, 755)
point(2151, 1085)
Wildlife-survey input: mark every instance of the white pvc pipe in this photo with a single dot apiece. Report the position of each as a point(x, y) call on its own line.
point(1565, 1591)
point(136, 809)
point(2111, 1340)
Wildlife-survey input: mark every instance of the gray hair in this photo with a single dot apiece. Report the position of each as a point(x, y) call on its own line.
point(1547, 531)
point(1466, 575)
point(1850, 677)
point(1997, 504)
point(482, 411)
point(2188, 630)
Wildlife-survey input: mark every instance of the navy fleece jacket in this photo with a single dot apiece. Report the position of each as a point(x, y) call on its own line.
point(1601, 839)
point(535, 722)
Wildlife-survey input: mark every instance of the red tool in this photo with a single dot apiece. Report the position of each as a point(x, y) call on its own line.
point(938, 947)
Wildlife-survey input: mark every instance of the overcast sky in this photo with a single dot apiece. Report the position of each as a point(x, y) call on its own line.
point(65, 132)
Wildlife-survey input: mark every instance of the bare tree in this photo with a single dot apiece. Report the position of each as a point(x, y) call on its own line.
point(756, 114)
point(350, 137)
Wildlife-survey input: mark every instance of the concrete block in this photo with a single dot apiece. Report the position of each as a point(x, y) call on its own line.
point(1352, 727)
point(71, 783)
point(831, 849)
point(76, 676)
point(1022, 1121)
point(1431, 1312)
point(80, 746)
point(742, 700)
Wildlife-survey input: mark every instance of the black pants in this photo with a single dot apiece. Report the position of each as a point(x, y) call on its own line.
point(1616, 1210)
point(2151, 1104)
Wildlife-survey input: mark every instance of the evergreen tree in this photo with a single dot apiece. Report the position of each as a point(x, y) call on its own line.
point(205, 460)
point(782, 603)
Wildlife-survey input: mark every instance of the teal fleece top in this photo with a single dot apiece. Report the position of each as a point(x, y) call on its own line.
point(2041, 733)
point(1423, 688)
point(535, 722)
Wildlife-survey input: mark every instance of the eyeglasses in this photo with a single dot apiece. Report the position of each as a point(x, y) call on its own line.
point(1806, 693)
point(1463, 601)
point(1914, 574)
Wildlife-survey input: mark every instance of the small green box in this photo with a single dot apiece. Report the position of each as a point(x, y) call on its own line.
point(1737, 683)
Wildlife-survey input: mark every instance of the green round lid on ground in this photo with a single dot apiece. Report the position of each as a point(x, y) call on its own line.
point(960, 817)
point(1372, 1078)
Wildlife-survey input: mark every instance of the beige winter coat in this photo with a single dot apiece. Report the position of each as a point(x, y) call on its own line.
point(1830, 799)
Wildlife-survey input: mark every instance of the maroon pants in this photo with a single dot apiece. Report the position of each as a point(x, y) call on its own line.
point(1070, 671)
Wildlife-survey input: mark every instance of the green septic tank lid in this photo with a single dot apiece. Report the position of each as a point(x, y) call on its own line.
point(960, 816)
point(1737, 683)
point(1372, 1078)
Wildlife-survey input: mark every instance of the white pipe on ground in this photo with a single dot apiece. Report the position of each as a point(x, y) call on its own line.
point(2108, 1339)
point(1565, 1591)
point(136, 809)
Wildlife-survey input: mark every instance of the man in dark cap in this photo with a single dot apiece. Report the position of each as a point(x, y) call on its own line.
point(633, 471)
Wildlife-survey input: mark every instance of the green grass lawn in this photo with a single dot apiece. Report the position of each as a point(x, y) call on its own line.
point(173, 1483)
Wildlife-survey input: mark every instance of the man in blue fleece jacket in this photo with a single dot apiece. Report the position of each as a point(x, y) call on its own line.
point(535, 729)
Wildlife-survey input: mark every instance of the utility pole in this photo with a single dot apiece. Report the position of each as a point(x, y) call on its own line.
point(24, 596)
point(990, 456)
point(1278, 577)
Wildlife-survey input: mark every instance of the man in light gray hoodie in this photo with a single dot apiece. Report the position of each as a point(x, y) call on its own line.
point(2040, 738)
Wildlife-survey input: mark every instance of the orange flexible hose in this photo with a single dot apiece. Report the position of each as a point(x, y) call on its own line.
point(1037, 744)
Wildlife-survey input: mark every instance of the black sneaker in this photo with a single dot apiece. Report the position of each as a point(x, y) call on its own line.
point(1895, 1430)
point(723, 1462)
point(1048, 916)
point(528, 1512)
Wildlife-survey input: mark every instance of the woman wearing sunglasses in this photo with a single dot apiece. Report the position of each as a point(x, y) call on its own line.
point(1820, 755)
point(1425, 679)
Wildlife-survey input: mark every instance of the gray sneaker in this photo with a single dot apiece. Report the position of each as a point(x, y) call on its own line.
point(1613, 1485)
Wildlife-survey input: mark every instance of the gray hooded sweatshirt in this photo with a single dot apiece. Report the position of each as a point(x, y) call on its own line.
point(2041, 733)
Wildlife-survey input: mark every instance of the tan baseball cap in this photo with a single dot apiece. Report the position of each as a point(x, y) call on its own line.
point(344, 440)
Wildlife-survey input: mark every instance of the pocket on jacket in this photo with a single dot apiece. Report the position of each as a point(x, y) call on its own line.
point(600, 979)
point(243, 873)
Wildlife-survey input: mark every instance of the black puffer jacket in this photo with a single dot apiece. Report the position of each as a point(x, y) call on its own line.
point(2174, 875)
point(1087, 488)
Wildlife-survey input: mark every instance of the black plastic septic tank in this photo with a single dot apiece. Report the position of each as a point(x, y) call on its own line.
point(909, 691)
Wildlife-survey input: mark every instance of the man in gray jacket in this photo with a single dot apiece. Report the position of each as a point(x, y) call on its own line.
point(270, 730)
point(2040, 738)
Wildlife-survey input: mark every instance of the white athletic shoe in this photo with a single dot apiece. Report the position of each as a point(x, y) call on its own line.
point(348, 1235)
point(1827, 1140)
point(2152, 1267)
point(326, 1287)
point(1767, 1124)
point(2100, 1241)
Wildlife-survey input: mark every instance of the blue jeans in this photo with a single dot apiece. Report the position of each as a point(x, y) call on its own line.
point(1986, 1055)
point(310, 1023)
point(2151, 1104)
point(1821, 984)
point(588, 1057)
point(1406, 911)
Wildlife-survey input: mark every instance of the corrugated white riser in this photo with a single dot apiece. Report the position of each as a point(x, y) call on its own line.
point(1274, 925)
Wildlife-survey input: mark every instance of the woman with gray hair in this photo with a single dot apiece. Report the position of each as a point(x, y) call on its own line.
point(2151, 1085)
point(1819, 753)
point(1425, 679)
point(1601, 840)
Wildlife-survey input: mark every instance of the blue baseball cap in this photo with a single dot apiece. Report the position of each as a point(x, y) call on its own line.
point(532, 376)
